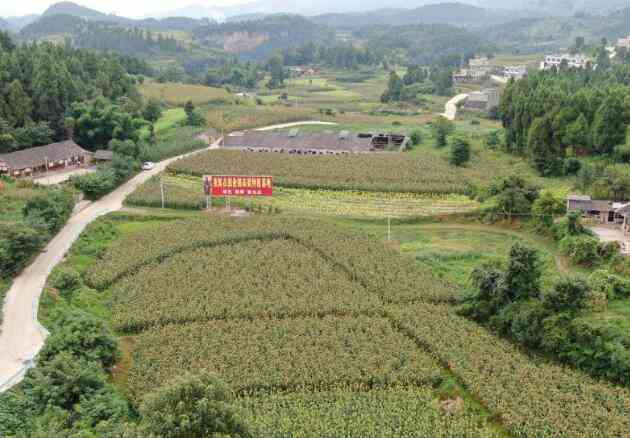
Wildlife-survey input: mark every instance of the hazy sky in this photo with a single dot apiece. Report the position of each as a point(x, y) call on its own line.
point(130, 8)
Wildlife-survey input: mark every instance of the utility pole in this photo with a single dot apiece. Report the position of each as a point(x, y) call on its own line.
point(162, 190)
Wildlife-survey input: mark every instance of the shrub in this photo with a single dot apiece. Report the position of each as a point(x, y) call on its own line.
point(572, 166)
point(50, 210)
point(613, 286)
point(582, 249)
point(193, 405)
point(96, 185)
point(460, 152)
point(66, 281)
point(416, 137)
point(17, 244)
point(83, 336)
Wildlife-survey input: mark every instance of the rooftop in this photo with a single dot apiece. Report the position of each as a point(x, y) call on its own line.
point(40, 155)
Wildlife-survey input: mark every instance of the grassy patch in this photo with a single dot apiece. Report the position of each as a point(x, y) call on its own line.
point(176, 94)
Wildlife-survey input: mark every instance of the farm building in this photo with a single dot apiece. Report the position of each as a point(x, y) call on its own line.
point(314, 143)
point(606, 212)
point(482, 100)
point(38, 160)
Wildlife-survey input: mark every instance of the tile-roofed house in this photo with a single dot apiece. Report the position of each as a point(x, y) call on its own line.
point(295, 142)
point(39, 159)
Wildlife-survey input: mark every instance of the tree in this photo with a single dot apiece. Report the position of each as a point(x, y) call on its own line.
point(17, 244)
point(189, 109)
point(393, 93)
point(460, 152)
point(523, 273)
point(544, 153)
point(609, 127)
point(82, 335)
point(152, 113)
point(442, 128)
point(96, 123)
point(275, 67)
point(192, 406)
point(512, 195)
point(49, 211)
point(545, 208)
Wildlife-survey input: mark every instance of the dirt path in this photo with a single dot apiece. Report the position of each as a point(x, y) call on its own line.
point(450, 108)
point(22, 336)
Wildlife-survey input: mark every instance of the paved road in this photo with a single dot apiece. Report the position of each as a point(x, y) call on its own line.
point(22, 336)
point(610, 234)
point(450, 109)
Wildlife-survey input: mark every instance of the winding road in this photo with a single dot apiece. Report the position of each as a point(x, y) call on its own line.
point(21, 335)
point(450, 109)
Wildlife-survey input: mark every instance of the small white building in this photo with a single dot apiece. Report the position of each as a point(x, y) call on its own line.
point(572, 61)
point(623, 42)
point(515, 72)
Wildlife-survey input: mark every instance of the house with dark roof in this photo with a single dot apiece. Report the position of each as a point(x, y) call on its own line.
point(41, 159)
point(314, 143)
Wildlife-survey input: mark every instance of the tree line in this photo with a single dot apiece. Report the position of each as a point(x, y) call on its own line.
point(552, 116)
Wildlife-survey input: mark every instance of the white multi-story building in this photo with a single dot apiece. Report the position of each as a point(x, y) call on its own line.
point(515, 72)
point(572, 61)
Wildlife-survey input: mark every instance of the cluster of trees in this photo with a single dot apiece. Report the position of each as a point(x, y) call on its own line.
point(510, 299)
point(39, 83)
point(417, 82)
point(340, 56)
point(42, 217)
point(425, 44)
point(86, 34)
point(234, 73)
point(551, 116)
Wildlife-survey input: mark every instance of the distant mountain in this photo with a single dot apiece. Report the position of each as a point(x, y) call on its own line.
point(193, 11)
point(457, 14)
point(4, 25)
point(17, 23)
point(69, 8)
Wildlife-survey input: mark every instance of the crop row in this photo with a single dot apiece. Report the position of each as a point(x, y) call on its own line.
point(187, 193)
point(268, 355)
point(379, 269)
point(243, 280)
point(363, 172)
point(533, 397)
point(391, 412)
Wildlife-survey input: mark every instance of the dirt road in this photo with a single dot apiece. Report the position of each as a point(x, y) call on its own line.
point(22, 336)
point(450, 109)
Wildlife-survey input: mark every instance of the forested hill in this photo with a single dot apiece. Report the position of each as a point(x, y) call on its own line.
point(258, 39)
point(458, 14)
point(424, 44)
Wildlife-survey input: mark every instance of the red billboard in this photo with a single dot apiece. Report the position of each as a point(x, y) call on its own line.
point(233, 185)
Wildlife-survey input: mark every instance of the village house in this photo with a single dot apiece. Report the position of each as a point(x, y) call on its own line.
point(571, 61)
point(482, 100)
point(314, 143)
point(478, 70)
point(42, 159)
point(605, 212)
point(103, 156)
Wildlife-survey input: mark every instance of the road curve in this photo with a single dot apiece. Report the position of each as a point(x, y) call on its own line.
point(450, 109)
point(22, 336)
